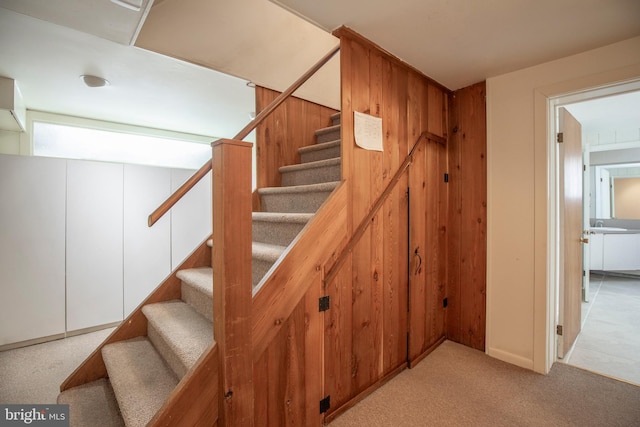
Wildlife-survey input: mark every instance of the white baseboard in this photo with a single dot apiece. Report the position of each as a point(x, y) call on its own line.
point(514, 359)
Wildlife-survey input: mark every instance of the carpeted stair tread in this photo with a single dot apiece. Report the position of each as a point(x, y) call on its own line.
point(336, 118)
point(179, 333)
point(316, 172)
point(294, 217)
point(322, 151)
point(330, 133)
point(296, 189)
point(298, 198)
point(278, 228)
point(266, 252)
point(92, 404)
point(264, 256)
point(197, 289)
point(311, 165)
point(141, 380)
point(328, 129)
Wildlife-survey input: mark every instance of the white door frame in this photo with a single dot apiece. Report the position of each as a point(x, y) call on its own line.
point(546, 223)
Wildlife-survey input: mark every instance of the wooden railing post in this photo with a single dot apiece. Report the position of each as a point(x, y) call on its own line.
point(232, 280)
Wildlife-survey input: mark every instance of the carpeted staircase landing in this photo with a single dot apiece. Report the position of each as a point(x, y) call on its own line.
point(144, 371)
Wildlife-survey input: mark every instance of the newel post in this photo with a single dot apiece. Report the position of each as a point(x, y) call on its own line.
point(232, 280)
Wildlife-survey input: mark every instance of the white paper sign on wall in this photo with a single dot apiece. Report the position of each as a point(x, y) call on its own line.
point(368, 131)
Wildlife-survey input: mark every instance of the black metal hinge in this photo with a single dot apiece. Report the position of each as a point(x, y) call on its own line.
point(445, 302)
point(325, 404)
point(560, 137)
point(559, 330)
point(324, 303)
point(446, 177)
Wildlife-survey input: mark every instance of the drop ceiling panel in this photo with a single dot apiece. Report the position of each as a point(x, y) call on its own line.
point(102, 18)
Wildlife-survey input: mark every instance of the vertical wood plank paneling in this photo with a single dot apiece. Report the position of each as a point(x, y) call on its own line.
point(453, 224)
point(395, 212)
point(473, 206)
point(467, 247)
point(442, 236)
point(261, 389)
point(363, 340)
point(313, 356)
point(365, 331)
point(338, 339)
point(436, 111)
point(378, 233)
point(417, 229)
point(289, 127)
point(428, 219)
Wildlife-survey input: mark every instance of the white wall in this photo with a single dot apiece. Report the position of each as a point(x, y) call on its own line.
point(9, 142)
point(518, 312)
point(75, 249)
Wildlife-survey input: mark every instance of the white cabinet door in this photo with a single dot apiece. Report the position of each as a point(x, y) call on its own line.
point(191, 219)
point(621, 251)
point(636, 263)
point(32, 227)
point(94, 244)
point(147, 250)
point(596, 242)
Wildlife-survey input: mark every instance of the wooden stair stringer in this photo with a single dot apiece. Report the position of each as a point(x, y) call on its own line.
point(304, 260)
point(195, 398)
point(135, 325)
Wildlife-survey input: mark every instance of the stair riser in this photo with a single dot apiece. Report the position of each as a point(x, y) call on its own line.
point(328, 137)
point(328, 153)
point(298, 202)
point(165, 351)
point(335, 120)
point(201, 302)
point(258, 269)
point(276, 233)
point(312, 176)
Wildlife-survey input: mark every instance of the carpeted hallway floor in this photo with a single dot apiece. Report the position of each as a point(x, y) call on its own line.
point(33, 374)
point(453, 386)
point(459, 386)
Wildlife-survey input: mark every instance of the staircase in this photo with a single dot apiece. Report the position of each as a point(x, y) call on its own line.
point(142, 372)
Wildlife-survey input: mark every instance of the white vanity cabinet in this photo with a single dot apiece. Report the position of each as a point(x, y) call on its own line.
point(621, 251)
point(596, 251)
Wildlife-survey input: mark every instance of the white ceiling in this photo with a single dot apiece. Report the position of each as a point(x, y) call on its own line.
point(146, 88)
point(607, 114)
point(461, 42)
point(253, 39)
point(456, 42)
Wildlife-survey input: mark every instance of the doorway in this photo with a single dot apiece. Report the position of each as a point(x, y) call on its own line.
point(608, 341)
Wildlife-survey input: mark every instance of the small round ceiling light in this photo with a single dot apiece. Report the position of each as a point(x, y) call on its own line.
point(94, 81)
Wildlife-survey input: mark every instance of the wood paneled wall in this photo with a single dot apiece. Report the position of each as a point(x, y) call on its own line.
point(367, 325)
point(467, 244)
point(425, 244)
point(289, 127)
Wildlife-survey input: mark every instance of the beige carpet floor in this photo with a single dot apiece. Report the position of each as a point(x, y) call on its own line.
point(33, 374)
point(453, 386)
point(458, 386)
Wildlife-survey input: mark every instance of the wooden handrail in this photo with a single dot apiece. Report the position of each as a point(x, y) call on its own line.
point(355, 238)
point(200, 173)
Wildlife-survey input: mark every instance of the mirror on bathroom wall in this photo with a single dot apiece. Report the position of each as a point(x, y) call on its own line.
point(617, 191)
